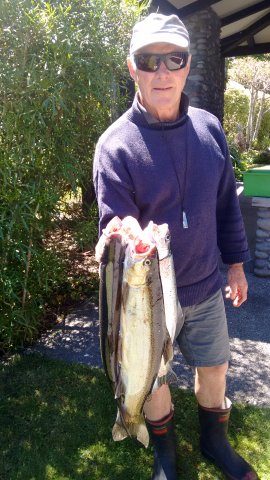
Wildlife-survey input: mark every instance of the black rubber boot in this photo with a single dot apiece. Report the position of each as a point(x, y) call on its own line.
point(215, 445)
point(164, 443)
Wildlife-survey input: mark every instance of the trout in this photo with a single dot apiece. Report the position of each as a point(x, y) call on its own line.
point(143, 339)
point(110, 251)
point(160, 234)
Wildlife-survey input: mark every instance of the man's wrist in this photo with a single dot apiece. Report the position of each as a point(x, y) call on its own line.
point(236, 265)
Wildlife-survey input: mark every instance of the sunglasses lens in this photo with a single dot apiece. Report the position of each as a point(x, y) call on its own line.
point(175, 61)
point(148, 62)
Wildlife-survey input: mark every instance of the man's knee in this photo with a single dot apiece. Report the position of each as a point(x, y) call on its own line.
point(217, 371)
point(158, 404)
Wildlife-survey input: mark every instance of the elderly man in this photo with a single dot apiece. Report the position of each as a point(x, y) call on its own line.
point(168, 162)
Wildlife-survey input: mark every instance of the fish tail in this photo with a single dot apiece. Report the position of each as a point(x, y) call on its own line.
point(139, 431)
point(119, 431)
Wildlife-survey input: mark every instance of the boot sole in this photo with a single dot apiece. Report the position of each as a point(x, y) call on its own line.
point(212, 460)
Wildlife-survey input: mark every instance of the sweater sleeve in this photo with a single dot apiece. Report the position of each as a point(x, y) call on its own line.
point(231, 235)
point(113, 186)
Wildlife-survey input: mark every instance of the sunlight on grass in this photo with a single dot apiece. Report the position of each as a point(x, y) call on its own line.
point(56, 419)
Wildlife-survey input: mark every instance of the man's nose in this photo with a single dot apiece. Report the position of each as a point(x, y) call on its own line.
point(162, 68)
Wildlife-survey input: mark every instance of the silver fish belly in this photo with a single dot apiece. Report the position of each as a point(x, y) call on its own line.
point(144, 339)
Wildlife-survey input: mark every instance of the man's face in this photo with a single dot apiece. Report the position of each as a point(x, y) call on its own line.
point(160, 91)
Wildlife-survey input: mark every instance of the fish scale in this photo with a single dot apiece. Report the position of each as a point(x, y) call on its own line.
point(144, 337)
point(134, 337)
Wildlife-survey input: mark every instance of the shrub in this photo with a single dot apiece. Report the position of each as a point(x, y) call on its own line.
point(61, 67)
point(263, 141)
point(86, 232)
point(236, 106)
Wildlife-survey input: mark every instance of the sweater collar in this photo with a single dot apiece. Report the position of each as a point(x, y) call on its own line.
point(139, 115)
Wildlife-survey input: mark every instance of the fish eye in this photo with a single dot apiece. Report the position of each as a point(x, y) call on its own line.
point(168, 237)
point(147, 262)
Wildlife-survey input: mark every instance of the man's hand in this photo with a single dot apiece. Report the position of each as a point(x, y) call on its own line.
point(237, 284)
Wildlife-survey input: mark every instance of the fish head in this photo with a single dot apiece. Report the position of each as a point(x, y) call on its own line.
point(113, 227)
point(136, 273)
point(137, 264)
point(111, 235)
point(131, 228)
point(162, 238)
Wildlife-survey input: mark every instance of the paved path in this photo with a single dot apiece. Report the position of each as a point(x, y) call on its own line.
point(76, 339)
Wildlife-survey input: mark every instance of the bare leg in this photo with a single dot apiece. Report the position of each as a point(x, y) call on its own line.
point(210, 384)
point(159, 404)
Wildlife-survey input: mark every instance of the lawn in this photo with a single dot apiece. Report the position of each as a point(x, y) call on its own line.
point(56, 421)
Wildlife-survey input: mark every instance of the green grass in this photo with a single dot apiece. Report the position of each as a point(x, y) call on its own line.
point(56, 421)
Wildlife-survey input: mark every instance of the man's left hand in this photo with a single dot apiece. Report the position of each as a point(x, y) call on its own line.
point(237, 284)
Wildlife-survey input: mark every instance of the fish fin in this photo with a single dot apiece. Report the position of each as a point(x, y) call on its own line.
point(125, 291)
point(139, 431)
point(119, 432)
point(168, 351)
point(171, 376)
point(119, 389)
point(119, 349)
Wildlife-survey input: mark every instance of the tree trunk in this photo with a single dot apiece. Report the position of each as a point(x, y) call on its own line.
point(250, 123)
point(259, 118)
point(88, 197)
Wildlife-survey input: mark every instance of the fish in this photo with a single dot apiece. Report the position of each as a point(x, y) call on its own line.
point(144, 339)
point(160, 235)
point(110, 251)
point(113, 228)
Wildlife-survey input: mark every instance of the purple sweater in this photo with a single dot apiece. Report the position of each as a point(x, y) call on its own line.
point(154, 171)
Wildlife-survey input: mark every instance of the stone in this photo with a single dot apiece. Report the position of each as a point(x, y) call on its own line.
point(263, 246)
point(261, 233)
point(263, 213)
point(260, 202)
point(264, 272)
point(197, 78)
point(260, 263)
point(264, 223)
point(204, 29)
point(261, 254)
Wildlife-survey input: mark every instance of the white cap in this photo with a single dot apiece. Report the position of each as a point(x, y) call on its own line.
point(158, 28)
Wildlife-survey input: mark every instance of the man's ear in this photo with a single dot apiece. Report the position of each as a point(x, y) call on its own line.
point(131, 69)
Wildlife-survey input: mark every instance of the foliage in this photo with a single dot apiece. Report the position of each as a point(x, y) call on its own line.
point(251, 158)
point(254, 158)
point(236, 105)
point(240, 164)
point(56, 419)
point(263, 140)
point(86, 233)
point(61, 66)
point(253, 74)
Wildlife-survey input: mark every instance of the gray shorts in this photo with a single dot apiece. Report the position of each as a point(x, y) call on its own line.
point(203, 333)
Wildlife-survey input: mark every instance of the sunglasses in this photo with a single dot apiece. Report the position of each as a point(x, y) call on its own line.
point(150, 62)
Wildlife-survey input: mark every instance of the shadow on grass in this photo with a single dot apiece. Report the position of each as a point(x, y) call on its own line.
point(56, 421)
